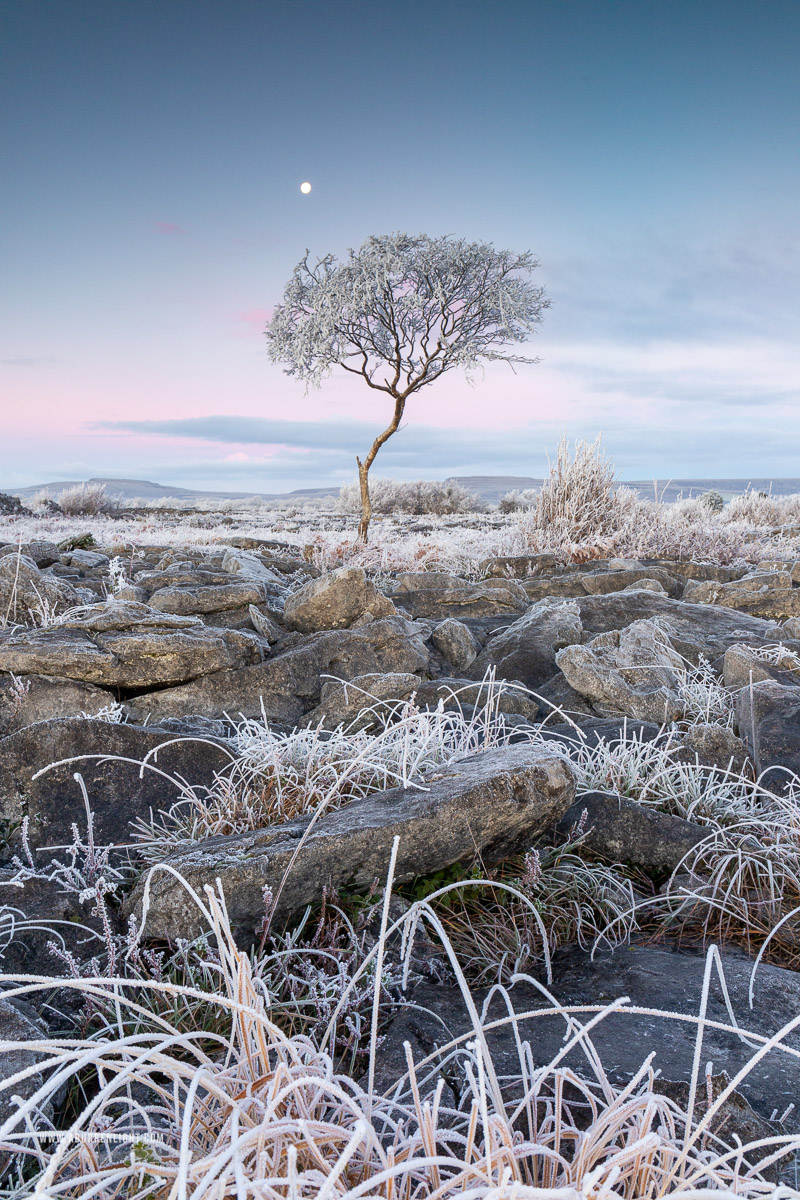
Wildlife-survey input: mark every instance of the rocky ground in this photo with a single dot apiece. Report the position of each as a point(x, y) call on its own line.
point(646, 733)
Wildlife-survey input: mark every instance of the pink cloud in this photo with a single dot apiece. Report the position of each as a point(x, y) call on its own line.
point(256, 318)
point(167, 228)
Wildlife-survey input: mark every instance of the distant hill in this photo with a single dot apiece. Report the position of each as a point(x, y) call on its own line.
point(144, 489)
point(490, 488)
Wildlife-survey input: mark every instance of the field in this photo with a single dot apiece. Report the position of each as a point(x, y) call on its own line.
point(463, 863)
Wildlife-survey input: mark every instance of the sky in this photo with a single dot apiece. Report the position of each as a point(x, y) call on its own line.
point(647, 153)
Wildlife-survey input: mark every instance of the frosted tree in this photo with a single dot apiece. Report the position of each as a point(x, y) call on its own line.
point(401, 312)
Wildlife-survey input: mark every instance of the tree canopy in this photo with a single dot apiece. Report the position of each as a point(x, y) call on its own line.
point(401, 312)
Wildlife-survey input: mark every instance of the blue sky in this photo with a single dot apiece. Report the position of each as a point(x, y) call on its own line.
point(151, 213)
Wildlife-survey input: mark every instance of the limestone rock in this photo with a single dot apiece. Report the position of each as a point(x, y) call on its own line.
point(518, 566)
point(621, 830)
point(264, 625)
point(186, 600)
point(15, 1027)
point(25, 590)
point(766, 594)
point(126, 645)
point(493, 804)
point(454, 642)
point(288, 684)
point(57, 915)
point(43, 553)
point(335, 601)
point(468, 696)
point(669, 981)
point(742, 665)
point(357, 704)
point(768, 717)
point(117, 795)
point(633, 671)
point(693, 629)
point(27, 699)
point(436, 594)
point(86, 560)
point(527, 649)
point(714, 746)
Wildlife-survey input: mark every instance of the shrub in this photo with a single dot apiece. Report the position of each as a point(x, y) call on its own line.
point(755, 508)
point(420, 497)
point(518, 500)
point(87, 500)
point(712, 501)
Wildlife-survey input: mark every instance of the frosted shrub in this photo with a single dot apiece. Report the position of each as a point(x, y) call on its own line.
point(518, 500)
point(712, 501)
point(87, 500)
point(754, 508)
point(43, 503)
point(577, 502)
point(420, 497)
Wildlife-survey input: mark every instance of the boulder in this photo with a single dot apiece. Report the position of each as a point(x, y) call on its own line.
point(436, 594)
point(30, 698)
point(686, 569)
point(264, 625)
point(556, 696)
point(455, 642)
point(178, 574)
point(127, 645)
point(249, 566)
point(668, 981)
point(601, 581)
point(591, 731)
point(762, 594)
point(219, 597)
point(43, 553)
point(16, 1027)
point(335, 601)
point(693, 629)
point(633, 671)
point(468, 696)
point(518, 566)
point(527, 649)
point(26, 591)
point(714, 746)
point(117, 796)
point(768, 719)
point(359, 703)
point(491, 805)
point(743, 665)
point(288, 684)
point(646, 585)
point(621, 830)
point(43, 911)
point(86, 560)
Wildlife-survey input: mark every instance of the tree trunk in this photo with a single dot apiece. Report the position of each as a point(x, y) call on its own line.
point(363, 468)
point(366, 506)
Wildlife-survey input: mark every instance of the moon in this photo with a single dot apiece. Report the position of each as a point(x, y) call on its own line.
point(305, 188)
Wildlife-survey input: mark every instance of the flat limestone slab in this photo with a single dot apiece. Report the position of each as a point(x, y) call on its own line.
point(496, 803)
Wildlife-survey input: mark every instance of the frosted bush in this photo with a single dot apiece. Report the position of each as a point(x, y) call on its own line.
point(87, 499)
point(420, 497)
point(518, 500)
point(754, 508)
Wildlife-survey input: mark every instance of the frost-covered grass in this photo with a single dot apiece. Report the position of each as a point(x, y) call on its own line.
point(241, 1108)
point(200, 1068)
point(276, 776)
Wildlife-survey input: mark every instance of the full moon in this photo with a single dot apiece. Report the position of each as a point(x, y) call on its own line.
point(305, 188)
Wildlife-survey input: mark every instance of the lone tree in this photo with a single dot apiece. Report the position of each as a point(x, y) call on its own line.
point(401, 312)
